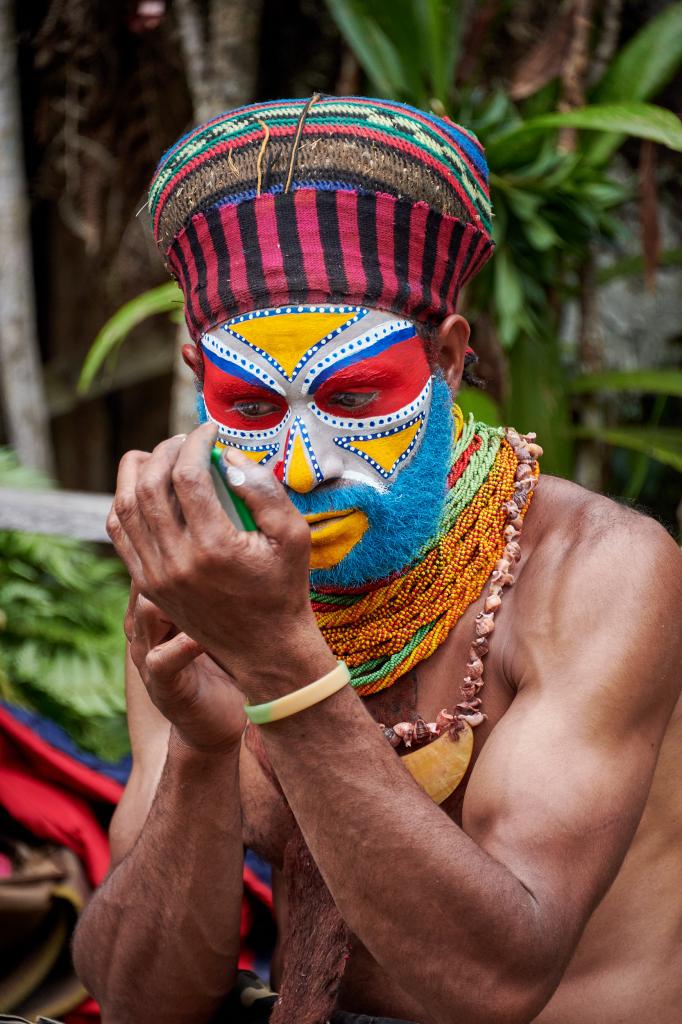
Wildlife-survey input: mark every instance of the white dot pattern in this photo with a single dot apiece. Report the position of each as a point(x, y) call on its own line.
point(375, 421)
point(355, 313)
point(360, 344)
point(299, 430)
point(349, 443)
point(251, 435)
point(212, 344)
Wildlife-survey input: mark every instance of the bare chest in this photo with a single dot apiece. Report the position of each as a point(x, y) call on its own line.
point(432, 685)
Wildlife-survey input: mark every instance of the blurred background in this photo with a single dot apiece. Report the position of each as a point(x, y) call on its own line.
point(576, 322)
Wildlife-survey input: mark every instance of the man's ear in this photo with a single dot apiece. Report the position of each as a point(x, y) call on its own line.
point(194, 358)
point(452, 340)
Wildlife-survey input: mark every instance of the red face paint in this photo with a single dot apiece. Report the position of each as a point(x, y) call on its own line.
point(223, 393)
point(396, 375)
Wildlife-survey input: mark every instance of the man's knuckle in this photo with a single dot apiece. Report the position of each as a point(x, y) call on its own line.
point(131, 462)
point(113, 525)
point(206, 546)
point(148, 488)
point(299, 534)
point(187, 478)
point(171, 578)
point(125, 506)
point(271, 487)
point(168, 444)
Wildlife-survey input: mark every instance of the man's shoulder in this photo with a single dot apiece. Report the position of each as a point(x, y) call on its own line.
point(567, 521)
point(599, 590)
point(586, 554)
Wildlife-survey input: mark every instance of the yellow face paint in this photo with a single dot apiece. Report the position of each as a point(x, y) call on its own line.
point(298, 475)
point(385, 452)
point(333, 535)
point(289, 338)
point(255, 454)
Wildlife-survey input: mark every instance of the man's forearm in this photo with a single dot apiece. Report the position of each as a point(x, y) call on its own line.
point(405, 878)
point(160, 939)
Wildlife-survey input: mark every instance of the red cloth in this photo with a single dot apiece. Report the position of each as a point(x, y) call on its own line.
point(50, 811)
point(52, 764)
point(51, 794)
point(87, 1013)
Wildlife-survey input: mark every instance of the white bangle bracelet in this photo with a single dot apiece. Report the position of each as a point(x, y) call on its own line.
point(299, 700)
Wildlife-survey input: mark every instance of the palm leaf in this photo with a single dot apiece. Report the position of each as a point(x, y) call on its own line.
point(655, 382)
point(61, 615)
point(642, 68)
point(164, 299)
point(640, 120)
point(663, 444)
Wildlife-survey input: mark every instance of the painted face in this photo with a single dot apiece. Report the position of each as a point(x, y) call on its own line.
point(335, 398)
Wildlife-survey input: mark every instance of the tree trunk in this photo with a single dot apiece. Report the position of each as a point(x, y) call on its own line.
point(24, 406)
point(221, 66)
point(590, 463)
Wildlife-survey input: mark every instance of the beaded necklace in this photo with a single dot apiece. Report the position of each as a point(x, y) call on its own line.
point(383, 632)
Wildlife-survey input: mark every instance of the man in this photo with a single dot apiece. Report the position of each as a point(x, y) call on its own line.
point(466, 860)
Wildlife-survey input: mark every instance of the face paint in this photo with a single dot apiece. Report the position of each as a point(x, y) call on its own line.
point(335, 394)
point(401, 519)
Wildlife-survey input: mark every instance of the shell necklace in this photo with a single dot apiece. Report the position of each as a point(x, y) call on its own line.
point(444, 747)
point(384, 631)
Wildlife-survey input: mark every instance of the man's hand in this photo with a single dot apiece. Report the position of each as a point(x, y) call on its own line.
point(184, 683)
point(240, 596)
point(177, 929)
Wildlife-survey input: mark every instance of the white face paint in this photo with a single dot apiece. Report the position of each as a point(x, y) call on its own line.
point(327, 392)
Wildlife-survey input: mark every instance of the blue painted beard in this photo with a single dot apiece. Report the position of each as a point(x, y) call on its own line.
point(403, 518)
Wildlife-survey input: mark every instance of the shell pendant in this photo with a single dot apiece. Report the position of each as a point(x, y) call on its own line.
point(440, 767)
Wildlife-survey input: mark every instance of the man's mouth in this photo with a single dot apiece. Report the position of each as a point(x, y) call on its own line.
point(334, 534)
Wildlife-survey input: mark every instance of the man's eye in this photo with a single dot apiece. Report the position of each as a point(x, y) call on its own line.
point(353, 399)
point(254, 409)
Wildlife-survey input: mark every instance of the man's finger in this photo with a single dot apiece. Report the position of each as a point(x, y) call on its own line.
point(273, 512)
point(150, 624)
point(130, 612)
point(156, 498)
point(193, 483)
point(124, 548)
point(166, 660)
point(126, 505)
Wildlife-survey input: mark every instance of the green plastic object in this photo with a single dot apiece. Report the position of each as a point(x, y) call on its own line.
point(235, 507)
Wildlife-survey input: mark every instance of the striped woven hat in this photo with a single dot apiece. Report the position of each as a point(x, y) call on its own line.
point(330, 200)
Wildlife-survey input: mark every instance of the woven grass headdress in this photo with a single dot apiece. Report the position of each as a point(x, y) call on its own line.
point(330, 200)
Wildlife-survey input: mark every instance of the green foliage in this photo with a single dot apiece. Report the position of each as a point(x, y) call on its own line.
point(409, 48)
point(166, 298)
point(635, 265)
point(61, 615)
point(647, 63)
point(642, 68)
point(664, 444)
point(639, 120)
point(550, 205)
point(655, 382)
point(484, 408)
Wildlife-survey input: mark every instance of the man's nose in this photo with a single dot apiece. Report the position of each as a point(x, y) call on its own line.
point(307, 460)
point(302, 472)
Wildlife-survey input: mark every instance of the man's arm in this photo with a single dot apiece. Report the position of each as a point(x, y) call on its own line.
point(485, 919)
point(160, 938)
